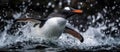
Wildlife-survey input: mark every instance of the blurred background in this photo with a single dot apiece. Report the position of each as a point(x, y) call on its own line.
point(103, 15)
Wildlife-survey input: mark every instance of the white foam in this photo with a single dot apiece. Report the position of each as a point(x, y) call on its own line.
point(17, 15)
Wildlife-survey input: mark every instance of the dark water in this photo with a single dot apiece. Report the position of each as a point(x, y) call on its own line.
point(99, 24)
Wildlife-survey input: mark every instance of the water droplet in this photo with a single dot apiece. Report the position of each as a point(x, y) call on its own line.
point(37, 4)
point(49, 4)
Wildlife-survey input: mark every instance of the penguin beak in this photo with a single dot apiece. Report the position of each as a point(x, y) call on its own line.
point(74, 33)
point(77, 11)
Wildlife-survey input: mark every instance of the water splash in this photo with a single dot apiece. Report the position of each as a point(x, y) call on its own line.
point(94, 39)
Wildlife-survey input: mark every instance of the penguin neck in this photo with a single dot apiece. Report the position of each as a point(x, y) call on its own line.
point(63, 13)
point(66, 13)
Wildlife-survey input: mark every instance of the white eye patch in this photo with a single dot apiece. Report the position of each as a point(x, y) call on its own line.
point(67, 8)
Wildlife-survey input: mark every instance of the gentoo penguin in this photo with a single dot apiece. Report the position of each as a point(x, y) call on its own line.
point(54, 25)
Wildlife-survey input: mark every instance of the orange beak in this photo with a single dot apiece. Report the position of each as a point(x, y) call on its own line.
point(77, 11)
